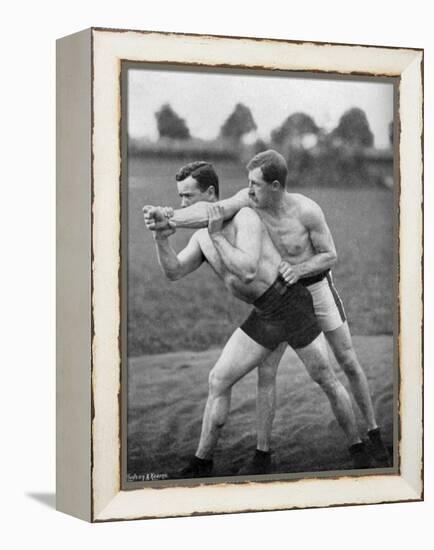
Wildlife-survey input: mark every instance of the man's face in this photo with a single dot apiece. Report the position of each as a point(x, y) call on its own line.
point(259, 189)
point(190, 192)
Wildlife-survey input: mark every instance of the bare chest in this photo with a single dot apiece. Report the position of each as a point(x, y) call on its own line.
point(289, 236)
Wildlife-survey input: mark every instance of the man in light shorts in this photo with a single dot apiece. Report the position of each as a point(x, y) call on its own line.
point(242, 254)
point(298, 229)
point(329, 309)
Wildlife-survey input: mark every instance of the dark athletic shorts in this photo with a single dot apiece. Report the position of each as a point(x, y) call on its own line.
point(283, 314)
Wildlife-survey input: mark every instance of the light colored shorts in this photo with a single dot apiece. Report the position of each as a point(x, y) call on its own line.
point(328, 306)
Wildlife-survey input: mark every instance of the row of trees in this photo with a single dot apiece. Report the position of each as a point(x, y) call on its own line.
point(353, 127)
point(238, 123)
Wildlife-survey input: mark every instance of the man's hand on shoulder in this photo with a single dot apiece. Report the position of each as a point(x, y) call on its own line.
point(291, 273)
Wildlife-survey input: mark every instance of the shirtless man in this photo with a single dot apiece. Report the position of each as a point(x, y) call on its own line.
point(300, 233)
point(242, 254)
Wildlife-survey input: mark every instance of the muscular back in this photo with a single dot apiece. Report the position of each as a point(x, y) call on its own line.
point(268, 261)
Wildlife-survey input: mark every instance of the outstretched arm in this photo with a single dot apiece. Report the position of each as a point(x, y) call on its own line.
point(194, 216)
point(241, 258)
point(322, 242)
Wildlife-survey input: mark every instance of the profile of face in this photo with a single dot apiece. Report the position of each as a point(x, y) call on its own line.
point(190, 192)
point(259, 190)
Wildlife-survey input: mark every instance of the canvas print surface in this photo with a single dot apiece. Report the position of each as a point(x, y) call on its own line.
point(258, 275)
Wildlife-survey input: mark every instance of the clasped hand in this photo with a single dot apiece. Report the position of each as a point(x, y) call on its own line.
point(289, 272)
point(157, 218)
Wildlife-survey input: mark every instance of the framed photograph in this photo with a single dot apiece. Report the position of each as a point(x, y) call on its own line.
point(239, 275)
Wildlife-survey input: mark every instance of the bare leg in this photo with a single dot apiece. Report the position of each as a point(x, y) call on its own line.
point(266, 397)
point(239, 356)
point(314, 358)
point(214, 417)
point(342, 346)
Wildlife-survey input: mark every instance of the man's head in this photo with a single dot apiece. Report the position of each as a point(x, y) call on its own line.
point(267, 177)
point(197, 181)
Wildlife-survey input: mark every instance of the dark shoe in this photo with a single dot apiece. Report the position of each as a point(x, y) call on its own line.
point(360, 456)
point(377, 448)
point(260, 464)
point(197, 467)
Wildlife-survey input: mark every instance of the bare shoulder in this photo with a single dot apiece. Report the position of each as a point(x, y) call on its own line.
point(304, 202)
point(310, 211)
point(239, 200)
point(247, 215)
point(242, 195)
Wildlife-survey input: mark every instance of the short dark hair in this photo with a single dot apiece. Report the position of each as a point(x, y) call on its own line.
point(203, 172)
point(272, 165)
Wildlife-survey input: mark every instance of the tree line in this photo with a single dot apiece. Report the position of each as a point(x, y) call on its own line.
point(353, 127)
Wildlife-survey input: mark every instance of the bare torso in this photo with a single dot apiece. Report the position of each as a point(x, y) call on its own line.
point(288, 230)
point(267, 267)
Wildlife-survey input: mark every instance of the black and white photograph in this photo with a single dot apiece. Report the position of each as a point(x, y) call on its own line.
point(153, 391)
point(259, 286)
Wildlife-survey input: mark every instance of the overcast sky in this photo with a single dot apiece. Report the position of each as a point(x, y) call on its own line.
point(205, 100)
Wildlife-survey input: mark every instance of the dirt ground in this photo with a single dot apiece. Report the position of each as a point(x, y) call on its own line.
point(167, 394)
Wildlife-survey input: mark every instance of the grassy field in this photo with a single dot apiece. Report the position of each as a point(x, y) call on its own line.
point(197, 313)
point(167, 394)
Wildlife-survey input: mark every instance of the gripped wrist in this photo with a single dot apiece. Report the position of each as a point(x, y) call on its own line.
point(216, 234)
point(159, 237)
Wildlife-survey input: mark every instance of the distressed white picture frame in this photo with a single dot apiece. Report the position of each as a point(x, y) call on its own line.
point(88, 270)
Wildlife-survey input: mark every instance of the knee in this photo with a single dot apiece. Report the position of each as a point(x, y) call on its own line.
point(349, 363)
point(217, 383)
point(267, 370)
point(330, 385)
point(324, 376)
